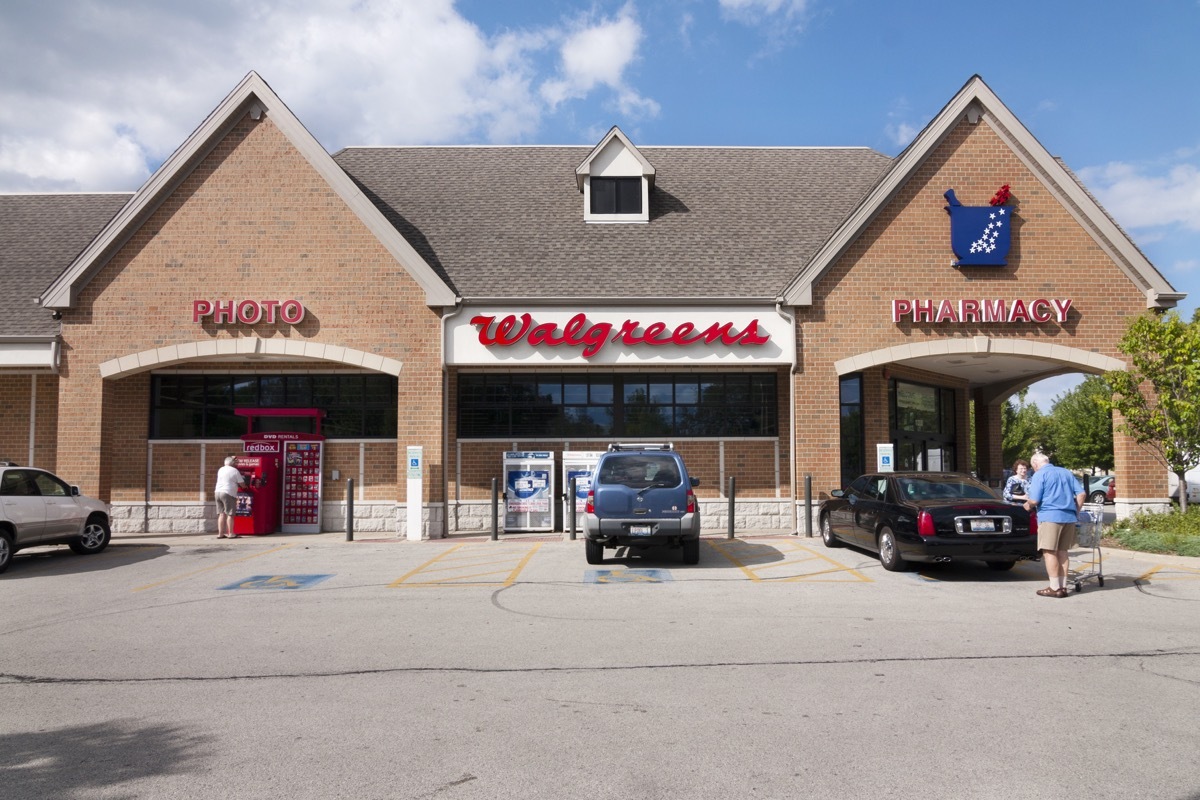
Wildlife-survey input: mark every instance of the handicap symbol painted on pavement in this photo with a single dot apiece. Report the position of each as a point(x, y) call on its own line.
point(278, 582)
point(626, 576)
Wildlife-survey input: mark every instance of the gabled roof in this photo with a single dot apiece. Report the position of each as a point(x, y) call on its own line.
point(585, 169)
point(251, 96)
point(39, 234)
point(977, 102)
point(727, 224)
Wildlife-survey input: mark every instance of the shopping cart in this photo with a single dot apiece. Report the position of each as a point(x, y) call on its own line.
point(1089, 531)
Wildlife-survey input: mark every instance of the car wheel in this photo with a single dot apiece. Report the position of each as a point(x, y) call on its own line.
point(691, 551)
point(594, 551)
point(6, 550)
point(889, 552)
point(1097, 497)
point(827, 535)
point(1001, 566)
point(94, 538)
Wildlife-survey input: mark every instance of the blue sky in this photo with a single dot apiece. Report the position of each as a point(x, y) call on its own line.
point(93, 96)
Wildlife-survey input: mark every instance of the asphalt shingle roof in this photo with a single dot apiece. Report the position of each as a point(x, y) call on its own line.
point(507, 222)
point(40, 235)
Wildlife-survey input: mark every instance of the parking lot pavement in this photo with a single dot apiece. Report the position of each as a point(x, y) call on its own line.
point(309, 666)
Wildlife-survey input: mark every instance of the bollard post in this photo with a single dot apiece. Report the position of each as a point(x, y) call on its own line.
point(571, 489)
point(495, 510)
point(349, 509)
point(808, 505)
point(732, 504)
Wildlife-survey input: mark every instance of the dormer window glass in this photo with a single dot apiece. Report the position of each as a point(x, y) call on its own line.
point(616, 195)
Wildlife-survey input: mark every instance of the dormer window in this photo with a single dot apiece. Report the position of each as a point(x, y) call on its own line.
point(616, 195)
point(615, 180)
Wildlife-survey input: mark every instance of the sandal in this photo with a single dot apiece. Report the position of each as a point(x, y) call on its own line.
point(1049, 592)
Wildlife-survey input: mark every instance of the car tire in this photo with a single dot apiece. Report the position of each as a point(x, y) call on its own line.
point(889, 551)
point(95, 537)
point(827, 535)
point(594, 551)
point(6, 550)
point(1001, 566)
point(1097, 497)
point(691, 551)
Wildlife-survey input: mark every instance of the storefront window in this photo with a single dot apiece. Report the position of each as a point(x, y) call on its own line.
point(922, 420)
point(633, 404)
point(201, 406)
point(853, 461)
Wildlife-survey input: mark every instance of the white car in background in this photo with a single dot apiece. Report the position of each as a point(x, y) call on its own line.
point(1193, 485)
point(39, 508)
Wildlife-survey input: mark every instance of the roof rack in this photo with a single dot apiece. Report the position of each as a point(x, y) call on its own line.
point(9, 464)
point(640, 446)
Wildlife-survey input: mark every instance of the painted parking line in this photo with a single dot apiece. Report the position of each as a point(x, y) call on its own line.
point(470, 565)
point(213, 567)
point(763, 563)
point(627, 576)
point(1164, 572)
point(925, 573)
point(278, 582)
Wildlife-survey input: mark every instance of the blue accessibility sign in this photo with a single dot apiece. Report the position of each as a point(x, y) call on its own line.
point(278, 582)
point(626, 576)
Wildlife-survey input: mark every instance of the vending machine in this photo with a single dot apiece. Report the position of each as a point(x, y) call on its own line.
point(258, 497)
point(298, 489)
point(528, 491)
point(577, 464)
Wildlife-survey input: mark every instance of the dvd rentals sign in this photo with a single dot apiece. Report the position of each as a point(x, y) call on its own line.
point(509, 336)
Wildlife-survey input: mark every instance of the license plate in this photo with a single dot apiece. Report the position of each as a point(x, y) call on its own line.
point(983, 524)
point(640, 530)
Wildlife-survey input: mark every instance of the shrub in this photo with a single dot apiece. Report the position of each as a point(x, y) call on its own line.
point(1172, 532)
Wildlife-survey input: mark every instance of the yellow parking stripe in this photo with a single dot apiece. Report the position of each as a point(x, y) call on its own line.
point(210, 569)
point(463, 557)
point(1194, 576)
point(751, 569)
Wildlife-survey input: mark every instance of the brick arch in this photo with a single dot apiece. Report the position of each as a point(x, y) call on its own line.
point(1077, 359)
point(245, 347)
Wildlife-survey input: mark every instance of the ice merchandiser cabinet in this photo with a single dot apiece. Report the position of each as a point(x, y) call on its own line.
point(528, 491)
point(258, 508)
point(577, 464)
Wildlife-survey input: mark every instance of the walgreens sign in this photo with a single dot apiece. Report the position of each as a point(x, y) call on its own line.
point(679, 337)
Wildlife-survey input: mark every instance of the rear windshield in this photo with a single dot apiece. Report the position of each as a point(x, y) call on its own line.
point(950, 489)
point(640, 471)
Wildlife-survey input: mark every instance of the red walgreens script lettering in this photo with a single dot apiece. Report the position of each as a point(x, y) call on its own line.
point(511, 329)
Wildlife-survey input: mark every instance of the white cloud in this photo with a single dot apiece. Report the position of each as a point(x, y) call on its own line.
point(97, 95)
point(1141, 198)
point(599, 54)
point(758, 11)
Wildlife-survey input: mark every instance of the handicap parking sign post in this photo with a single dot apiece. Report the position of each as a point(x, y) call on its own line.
point(885, 457)
point(415, 492)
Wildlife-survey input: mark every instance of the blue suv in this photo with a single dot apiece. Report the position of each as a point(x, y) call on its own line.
point(642, 496)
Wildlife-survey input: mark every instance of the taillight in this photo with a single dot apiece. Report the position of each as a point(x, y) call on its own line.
point(691, 502)
point(590, 508)
point(1033, 523)
point(925, 524)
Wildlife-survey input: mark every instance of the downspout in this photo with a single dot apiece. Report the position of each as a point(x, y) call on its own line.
point(458, 309)
point(792, 414)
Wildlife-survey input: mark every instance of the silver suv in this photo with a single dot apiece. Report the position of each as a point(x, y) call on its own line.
point(38, 508)
point(642, 496)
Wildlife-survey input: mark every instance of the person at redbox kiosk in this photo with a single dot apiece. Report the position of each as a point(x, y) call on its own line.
point(229, 478)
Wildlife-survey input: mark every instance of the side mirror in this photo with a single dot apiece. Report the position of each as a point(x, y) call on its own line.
point(694, 481)
point(74, 491)
point(838, 493)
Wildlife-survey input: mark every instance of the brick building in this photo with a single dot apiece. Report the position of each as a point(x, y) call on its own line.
point(775, 312)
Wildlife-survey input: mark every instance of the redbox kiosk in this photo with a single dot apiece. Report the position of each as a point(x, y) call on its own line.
point(258, 497)
point(295, 493)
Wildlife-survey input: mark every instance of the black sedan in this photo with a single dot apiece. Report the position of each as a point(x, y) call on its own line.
point(928, 516)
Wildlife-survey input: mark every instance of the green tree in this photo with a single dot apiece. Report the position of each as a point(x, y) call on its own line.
point(1165, 355)
point(1023, 429)
point(1082, 423)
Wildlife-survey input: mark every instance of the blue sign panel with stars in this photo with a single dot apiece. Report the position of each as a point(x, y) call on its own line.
point(980, 236)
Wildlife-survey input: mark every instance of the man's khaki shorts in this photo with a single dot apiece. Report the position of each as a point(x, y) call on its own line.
point(1056, 535)
point(227, 504)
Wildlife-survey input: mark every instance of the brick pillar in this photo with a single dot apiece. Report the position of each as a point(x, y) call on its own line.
point(989, 442)
point(1141, 477)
